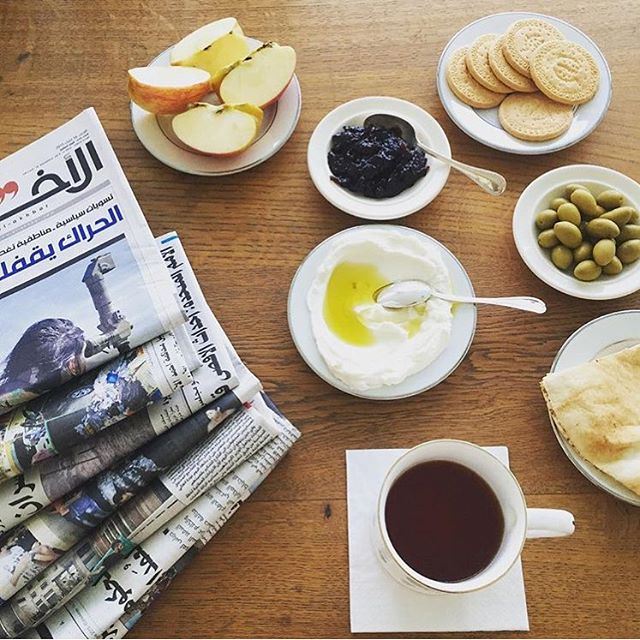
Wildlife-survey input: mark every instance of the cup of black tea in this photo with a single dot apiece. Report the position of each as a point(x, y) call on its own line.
point(452, 518)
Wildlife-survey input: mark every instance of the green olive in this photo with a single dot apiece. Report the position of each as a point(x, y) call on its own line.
point(613, 268)
point(610, 199)
point(546, 219)
point(570, 188)
point(561, 256)
point(629, 251)
point(635, 217)
point(557, 202)
point(587, 270)
point(629, 232)
point(569, 213)
point(585, 202)
point(620, 216)
point(600, 210)
point(602, 228)
point(568, 234)
point(604, 251)
point(547, 239)
point(583, 252)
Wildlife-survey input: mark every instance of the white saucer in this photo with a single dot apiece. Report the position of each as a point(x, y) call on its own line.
point(354, 113)
point(600, 337)
point(537, 196)
point(483, 124)
point(279, 123)
point(463, 329)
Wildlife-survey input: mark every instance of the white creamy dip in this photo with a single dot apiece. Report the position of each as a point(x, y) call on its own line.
point(363, 344)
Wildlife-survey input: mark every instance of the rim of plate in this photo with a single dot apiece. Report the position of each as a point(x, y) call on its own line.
point(314, 359)
point(154, 140)
point(416, 197)
point(537, 193)
point(588, 470)
point(512, 144)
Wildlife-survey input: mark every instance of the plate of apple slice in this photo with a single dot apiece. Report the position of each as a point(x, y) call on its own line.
point(216, 103)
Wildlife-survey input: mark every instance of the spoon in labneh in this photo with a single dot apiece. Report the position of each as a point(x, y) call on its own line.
point(490, 181)
point(408, 293)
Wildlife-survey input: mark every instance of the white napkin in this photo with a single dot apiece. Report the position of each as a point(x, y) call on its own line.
point(380, 604)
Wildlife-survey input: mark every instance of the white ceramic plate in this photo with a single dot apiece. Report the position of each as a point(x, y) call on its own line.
point(354, 113)
point(463, 329)
point(600, 337)
point(483, 124)
point(537, 197)
point(156, 134)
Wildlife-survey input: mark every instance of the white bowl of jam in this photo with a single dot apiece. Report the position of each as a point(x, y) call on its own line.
point(388, 195)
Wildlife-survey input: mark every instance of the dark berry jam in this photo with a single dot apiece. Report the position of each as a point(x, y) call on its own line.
point(375, 162)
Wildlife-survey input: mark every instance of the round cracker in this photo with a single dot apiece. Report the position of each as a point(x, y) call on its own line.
point(565, 72)
point(465, 87)
point(534, 117)
point(477, 60)
point(523, 38)
point(505, 72)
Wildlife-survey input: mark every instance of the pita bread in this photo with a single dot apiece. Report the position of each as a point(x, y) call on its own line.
point(596, 406)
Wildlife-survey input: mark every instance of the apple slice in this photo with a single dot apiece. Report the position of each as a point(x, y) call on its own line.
point(218, 130)
point(213, 47)
point(167, 89)
point(261, 77)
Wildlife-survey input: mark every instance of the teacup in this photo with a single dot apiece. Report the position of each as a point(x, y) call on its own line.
point(520, 522)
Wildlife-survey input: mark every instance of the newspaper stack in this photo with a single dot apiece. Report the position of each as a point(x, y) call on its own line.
point(124, 448)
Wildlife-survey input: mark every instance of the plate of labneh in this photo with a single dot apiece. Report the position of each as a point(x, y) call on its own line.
point(301, 322)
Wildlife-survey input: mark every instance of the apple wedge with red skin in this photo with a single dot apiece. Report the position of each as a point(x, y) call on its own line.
point(166, 90)
point(218, 130)
point(260, 78)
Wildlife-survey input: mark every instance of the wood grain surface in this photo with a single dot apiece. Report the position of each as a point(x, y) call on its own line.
point(280, 567)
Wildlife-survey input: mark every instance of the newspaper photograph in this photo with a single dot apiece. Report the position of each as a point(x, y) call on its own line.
point(111, 605)
point(56, 422)
point(236, 440)
point(81, 279)
point(44, 537)
point(24, 495)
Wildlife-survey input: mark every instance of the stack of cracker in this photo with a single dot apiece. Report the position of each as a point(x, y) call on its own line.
point(534, 74)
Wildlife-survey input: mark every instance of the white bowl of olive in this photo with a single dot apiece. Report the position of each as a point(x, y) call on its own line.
point(578, 229)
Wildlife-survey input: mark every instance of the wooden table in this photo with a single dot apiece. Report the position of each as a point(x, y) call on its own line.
point(280, 566)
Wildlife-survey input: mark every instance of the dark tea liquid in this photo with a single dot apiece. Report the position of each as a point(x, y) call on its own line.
point(444, 520)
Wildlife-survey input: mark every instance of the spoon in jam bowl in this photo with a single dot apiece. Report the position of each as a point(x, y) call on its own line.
point(490, 181)
point(408, 293)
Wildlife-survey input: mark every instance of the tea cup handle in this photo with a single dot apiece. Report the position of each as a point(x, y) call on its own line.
point(549, 523)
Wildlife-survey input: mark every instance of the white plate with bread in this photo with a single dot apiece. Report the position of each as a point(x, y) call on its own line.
point(592, 401)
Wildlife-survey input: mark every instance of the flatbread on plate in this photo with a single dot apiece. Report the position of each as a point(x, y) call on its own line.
point(596, 406)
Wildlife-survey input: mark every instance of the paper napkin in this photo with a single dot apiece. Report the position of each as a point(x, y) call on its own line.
point(380, 604)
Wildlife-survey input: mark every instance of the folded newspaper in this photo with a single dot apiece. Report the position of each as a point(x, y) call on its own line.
point(44, 537)
point(23, 495)
point(242, 438)
point(110, 606)
point(81, 278)
point(116, 479)
point(237, 439)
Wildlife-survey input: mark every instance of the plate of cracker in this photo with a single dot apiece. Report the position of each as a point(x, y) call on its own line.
point(591, 396)
point(524, 83)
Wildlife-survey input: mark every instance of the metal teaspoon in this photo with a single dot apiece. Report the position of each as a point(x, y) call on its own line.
point(408, 293)
point(490, 181)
